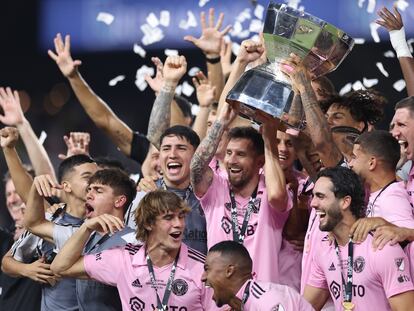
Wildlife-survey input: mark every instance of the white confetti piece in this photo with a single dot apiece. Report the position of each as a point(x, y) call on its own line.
point(371, 6)
point(399, 85)
point(190, 22)
point(256, 38)
point(381, 68)
point(235, 48)
point(152, 20)
point(357, 85)
point(202, 3)
point(151, 35)
point(293, 3)
point(369, 82)
point(256, 25)
point(236, 29)
point(115, 80)
point(402, 5)
point(178, 89)
point(245, 14)
point(187, 89)
point(389, 54)
point(140, 76)
point(258, 11)
point(106, 18)
point(42, 137)
point(165, 18)
point(360, 3)
point(141, 85)
point(170, 52)
point(195, 109)
point(244, 34)
point(134, 177)
point(193, 71)
point(139, 50)
point(374, 31)
point(345, 89)
point(359, 40)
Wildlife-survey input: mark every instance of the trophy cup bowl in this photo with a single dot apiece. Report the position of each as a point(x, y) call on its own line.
point(265, 89)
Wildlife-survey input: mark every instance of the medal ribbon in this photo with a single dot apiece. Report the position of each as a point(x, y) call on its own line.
point(246, 294)
point(347, 287)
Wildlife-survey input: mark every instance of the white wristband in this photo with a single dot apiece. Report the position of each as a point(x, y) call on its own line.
point(399, 43)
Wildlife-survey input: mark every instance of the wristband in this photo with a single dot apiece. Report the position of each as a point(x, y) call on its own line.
point(399, 43)
point(214, 60)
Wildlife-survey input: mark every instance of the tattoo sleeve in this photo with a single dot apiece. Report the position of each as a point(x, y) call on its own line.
point(205, 152)
point(160, 115)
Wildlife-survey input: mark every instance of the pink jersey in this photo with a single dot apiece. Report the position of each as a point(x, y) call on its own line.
point(410, 185)
point(215, 166)
point(392, 204)
point(264, 296)
point(126, 268)
point(264, 231)
point(377, 275)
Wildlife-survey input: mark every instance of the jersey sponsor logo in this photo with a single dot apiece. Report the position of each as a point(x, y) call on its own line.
point(403, 278)
point(136, 304)
point(136, 283)
point(359, 264)
point(98, 256)
point(399, 262)
point(278, 307)
point(335, 289)
point(171, 308)
point(332, 267)
point(226, 226)
point(179, 287)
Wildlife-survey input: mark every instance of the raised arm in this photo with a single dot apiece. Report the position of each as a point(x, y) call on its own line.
point(69, 261)
point(34, 218)
point(201, 174)
point(13, 116)
point(394, 24)
point(205, 96)
point(100, 113)
point(21, 178)
point(174, 69)
point(319, 130)
point(210, 43)
point(275, 178)
point(76, 143)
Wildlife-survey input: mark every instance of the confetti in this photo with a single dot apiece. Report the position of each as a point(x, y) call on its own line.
point(193, 71)
point(402, 5)
point(151, 35)
point(170, 52)
point(374, 31)
point(359, 40)
point(140, 76)
point(293, 3)
point(178, 89)
point(389, 54)
point(106, 18)
point(235, 48)
point(381, 68)
point(360, 3)
point(369, 82)
point(399, 85)
point(258, 11)
point(152, 20)
point(357, 85)
point(134, 177)
point(187, 89)
point(202, 3)
point(256, 25)
point(345, 89)
point(245, 14)
point(236, 29)
point(165, 18)
point(190, 22)
point(42, 137)
point(115, 80)
point(195, 109)
point(244, 34)
point(371, 6)
point(139, 50)
point(141, 85)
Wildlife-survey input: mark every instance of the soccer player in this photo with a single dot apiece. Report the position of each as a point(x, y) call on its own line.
point(228, 270)
point(356, 276)
point(161, 273)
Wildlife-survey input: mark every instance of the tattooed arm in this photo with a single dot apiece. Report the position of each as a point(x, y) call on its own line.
point(319, 130)
point(200, 173)
point(174, 68)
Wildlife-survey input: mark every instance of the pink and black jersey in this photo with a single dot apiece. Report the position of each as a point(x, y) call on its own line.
point(264, 231)
point(126, 268)
point(264, 296)
point(377, 275)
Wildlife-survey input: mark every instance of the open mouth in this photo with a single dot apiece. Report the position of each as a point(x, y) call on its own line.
point(321, 214)
point(235, 170)
point(176, 235)
point(404, 145)
point(282, 157)
point(174, 167)
point(89, 209)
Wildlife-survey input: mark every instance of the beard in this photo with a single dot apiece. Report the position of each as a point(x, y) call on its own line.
point(334, 216)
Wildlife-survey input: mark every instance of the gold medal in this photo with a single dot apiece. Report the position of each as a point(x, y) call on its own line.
point(348, 305)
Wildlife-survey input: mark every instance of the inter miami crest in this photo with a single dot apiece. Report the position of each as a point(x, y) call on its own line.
point(359, 264)
point(179, 287)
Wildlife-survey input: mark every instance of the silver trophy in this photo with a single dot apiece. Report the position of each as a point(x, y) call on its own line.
point(265, 89)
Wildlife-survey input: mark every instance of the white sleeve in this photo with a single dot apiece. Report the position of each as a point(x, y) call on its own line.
point(61, 234)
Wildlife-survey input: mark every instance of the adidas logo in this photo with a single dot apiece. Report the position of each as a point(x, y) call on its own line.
point(137, 283)
point(332, 267)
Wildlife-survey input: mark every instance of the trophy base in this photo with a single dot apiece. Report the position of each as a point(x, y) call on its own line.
point(257, 92)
